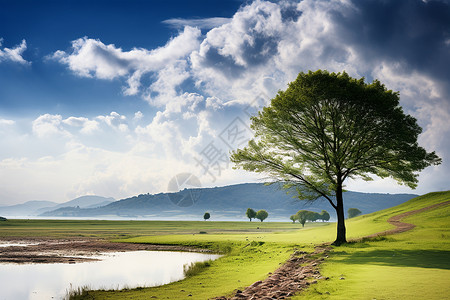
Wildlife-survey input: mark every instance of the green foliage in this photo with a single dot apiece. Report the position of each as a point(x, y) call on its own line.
point(353, 212)
point(302, 216)
point(324, 215)
point(262, 215)
point(327, 127)
point(194, 268)
point(312, 216)
point(3, 219)
point(206, 216)
point(251, 214)
point(305, 215)
point(293, 218)
point(78, 293)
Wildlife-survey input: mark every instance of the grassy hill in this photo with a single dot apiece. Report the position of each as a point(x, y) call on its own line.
point(410, 265)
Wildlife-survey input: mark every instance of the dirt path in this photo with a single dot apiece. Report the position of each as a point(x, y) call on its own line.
point(402, 226)
point(301, 271)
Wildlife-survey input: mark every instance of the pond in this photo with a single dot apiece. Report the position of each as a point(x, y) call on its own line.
point(114, 271)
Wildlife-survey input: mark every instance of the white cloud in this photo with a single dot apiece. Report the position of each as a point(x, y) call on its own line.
point(13, 54)
point(115, 120)
point(48, 125)
point(138, 115)
point(4, 122)
point(201, 83)
point(92, 58)
point(205, 23)
point(87, 126)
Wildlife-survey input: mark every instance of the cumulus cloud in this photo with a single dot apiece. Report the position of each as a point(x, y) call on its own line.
point(13, 54)
point(87, 126)
point(92, 58)
point(49, 125)
point(115, 120)
point(201, 84)
point(414, 33)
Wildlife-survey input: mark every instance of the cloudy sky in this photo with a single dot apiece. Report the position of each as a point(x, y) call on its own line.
point(115, 98)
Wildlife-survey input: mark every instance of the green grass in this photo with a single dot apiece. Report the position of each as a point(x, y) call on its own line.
point(411, 265)
point(195, 268)
point(243, 265)
point(125, 229)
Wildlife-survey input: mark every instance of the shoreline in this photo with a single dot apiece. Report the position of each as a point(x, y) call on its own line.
point(72, 250)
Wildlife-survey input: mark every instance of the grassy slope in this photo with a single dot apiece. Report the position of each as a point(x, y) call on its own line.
point(410, 265)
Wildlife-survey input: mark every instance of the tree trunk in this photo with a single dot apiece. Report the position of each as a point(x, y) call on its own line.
point(341, 232)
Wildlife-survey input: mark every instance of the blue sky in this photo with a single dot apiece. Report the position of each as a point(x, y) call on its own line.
point(115, 98)
point(50, 25)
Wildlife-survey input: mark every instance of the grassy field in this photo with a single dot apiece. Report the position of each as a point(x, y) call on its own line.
point(410, 265)
point(126, 229)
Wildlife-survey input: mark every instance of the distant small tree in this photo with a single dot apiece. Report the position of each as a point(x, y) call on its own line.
point(206, 216)
point(312, 216)
point(293, 218)
point(3, 219)
point(262, 215)
point(251, 214)
point(302, 216)
point(324, 216)
point(353, 212)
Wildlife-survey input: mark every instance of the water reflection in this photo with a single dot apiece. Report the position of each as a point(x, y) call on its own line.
point(8, 244)
point(114, 271)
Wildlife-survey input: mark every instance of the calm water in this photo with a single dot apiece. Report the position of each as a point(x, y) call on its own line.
point(117, 270)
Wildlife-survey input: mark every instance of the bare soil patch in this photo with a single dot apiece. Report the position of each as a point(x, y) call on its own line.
point(44, 250)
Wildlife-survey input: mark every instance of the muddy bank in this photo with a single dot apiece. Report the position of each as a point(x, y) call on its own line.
point(41, 250)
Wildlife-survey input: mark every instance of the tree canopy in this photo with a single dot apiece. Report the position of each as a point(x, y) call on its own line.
point(251, 214)
point(324, 215)
point(262, 215)
point(302, 216)
point(328, 127)
point(206, 216)
point(353, 212)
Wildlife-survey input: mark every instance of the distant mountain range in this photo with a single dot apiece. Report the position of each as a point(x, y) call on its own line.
point(223, 203)
point(34, 208)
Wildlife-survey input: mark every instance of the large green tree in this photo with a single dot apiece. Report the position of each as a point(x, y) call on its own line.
point(328, 127)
